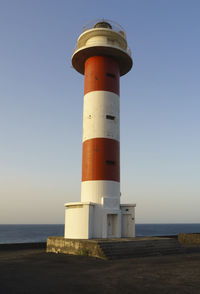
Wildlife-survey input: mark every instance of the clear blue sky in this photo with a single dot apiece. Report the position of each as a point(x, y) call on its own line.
point(41, 100)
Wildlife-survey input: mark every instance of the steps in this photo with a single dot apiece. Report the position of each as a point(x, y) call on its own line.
point(120, 248)
point(140, 248)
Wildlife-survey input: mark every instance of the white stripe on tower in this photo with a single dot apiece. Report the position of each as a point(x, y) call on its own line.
point(101, 115)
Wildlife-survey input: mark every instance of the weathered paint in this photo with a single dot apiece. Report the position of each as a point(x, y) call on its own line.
point(101, 115)
point(100, 160)
point(101, 73)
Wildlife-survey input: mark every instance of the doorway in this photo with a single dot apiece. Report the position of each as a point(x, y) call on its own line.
point(112, 227)
point(127, 225)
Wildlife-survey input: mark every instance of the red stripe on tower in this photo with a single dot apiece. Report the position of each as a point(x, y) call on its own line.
point(101, 73)
point(101, 160)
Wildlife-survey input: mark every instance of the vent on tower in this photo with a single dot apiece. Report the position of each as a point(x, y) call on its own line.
point(102, 24)
point(110, 117)
point(111, 75)
point(110, 162)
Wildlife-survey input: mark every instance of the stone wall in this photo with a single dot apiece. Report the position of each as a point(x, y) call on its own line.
point(189, 239)
point(74, 246)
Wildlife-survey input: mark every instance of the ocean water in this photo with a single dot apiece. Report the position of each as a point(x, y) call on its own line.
point(39, 233)
point(165, 229)
point(28, 233)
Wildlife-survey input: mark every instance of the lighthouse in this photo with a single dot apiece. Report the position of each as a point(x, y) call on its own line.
point(102, 56)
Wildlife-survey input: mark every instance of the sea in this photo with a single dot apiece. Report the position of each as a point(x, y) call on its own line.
point(39, 233)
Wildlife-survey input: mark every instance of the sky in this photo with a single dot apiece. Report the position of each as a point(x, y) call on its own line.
point(41, 102)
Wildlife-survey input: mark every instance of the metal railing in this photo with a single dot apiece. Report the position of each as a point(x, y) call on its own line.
point(114, 26)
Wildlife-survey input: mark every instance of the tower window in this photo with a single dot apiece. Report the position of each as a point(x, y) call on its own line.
point(111, 75)
point(110, 117)
point(110, 162)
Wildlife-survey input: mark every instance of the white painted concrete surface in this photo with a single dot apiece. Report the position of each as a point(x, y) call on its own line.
point(97, 106)
point(78, 220)
point(87, 220)
point(95, 191)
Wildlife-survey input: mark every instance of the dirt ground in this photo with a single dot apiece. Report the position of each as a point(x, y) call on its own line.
point(35, 271)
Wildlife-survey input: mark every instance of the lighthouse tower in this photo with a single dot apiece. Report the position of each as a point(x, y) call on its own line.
point(102, 56)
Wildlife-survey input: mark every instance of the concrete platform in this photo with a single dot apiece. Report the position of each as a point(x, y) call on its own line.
point(116, 248)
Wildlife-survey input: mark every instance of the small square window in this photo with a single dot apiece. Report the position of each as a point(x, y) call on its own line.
point(110, 162)
point(111, 75)
point(111, 117)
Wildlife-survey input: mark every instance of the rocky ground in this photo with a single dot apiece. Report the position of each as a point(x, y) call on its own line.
point(35, 271)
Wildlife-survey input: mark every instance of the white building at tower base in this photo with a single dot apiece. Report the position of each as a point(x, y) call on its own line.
point(87, 220)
